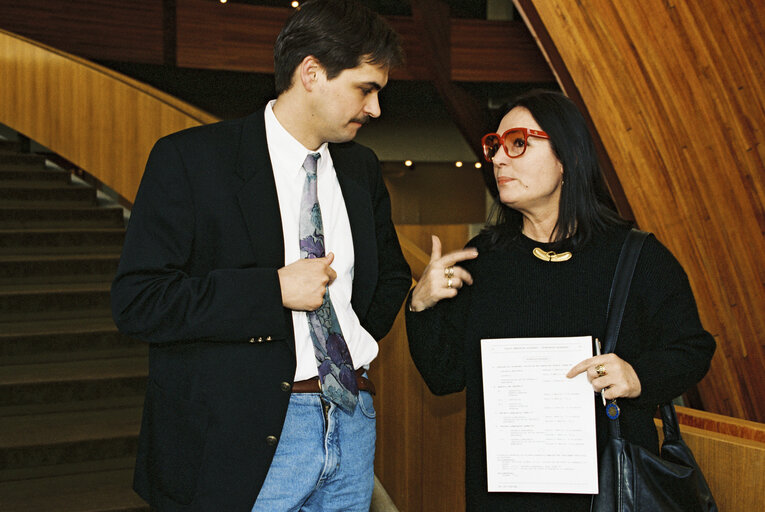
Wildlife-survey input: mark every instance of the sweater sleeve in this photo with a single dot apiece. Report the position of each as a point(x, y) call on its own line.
point(437, 338)
point(680, 351)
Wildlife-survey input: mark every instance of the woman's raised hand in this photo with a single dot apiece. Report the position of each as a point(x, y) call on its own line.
point(441, 279)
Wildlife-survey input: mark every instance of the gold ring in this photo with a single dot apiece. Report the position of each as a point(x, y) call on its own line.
point(449, 272)
point(448, 282)
point(600, 370)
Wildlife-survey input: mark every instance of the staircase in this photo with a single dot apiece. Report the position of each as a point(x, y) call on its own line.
point(71, 386)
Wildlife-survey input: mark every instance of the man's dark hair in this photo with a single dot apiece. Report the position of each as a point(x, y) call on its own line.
point(341, 34)
point(585, 205)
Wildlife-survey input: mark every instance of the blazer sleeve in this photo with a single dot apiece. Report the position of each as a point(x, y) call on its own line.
point(393, 276)
point(154, 298)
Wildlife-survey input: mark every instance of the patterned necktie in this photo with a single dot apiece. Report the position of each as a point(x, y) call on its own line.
point(338, 380)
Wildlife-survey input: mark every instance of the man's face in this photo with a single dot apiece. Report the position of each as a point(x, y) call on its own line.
point(342, 105)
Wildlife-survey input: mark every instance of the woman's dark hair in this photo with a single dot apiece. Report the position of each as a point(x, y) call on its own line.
point(585, 204)
point(341, 34)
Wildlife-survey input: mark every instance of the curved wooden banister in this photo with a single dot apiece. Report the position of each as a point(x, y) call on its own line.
point(100, 120)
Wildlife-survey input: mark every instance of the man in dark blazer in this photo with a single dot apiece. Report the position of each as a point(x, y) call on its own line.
point(211, 278)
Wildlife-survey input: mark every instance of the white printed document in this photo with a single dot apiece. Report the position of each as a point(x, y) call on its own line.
point(540, 426)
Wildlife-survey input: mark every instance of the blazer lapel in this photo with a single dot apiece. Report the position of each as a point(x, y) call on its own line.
point(257, 197)
point(358, 204)
point(260, 203)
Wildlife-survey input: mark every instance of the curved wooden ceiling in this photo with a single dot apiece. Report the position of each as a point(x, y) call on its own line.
point(676, 93)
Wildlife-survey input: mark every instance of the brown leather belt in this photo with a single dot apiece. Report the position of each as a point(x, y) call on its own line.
point(312, 385)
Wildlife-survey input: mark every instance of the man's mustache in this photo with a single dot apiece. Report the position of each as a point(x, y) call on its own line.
point(361, 120)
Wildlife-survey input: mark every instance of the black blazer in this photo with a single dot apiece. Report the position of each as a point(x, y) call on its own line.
point(198, 281)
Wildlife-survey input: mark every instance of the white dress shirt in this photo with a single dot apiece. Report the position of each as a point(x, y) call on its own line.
point(287, 156)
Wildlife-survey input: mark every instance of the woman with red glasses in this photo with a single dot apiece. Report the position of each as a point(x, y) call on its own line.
point(544, 268)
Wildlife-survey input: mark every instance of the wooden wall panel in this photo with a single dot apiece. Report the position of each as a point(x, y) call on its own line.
point(420, 456)
point(103, 29)
point(100, 120)
point(241, 37)
point(495, 51)
point(435, 192)
point(206, 34)
point(231, 36)
point(676, 91)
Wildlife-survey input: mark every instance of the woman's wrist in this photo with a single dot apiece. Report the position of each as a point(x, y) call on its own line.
point(411, 307)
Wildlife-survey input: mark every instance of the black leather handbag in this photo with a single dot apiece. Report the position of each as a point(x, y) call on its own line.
point(631, 478)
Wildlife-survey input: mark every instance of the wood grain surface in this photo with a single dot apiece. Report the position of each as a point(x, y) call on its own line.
point(102, 121)
point(676, 93)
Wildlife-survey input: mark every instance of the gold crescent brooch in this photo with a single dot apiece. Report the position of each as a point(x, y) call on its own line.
point(551, 255)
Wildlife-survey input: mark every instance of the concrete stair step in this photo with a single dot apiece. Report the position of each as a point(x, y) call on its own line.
point(61, 241)
point(17, 270)
point(78, 217)
point(75, 468)
point(105, 486)
point(64, 340)
point(10, 146)
point(72, 381)
point(97, 404)
point(71, 386)
point(21, 161)
point(60, 300)
point(47, 438)
point(35, 175)
point(25, 193)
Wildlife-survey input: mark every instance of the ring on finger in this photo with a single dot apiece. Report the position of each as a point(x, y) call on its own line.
point(449, 272)
point(600, 370)
point(448, 282)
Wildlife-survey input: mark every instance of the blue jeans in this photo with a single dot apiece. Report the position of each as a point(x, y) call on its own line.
point(318, 469)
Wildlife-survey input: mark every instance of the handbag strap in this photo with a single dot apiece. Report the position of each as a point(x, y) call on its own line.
point(620, 287)
point(669, 422)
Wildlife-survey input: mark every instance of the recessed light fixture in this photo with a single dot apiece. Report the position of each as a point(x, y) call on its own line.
point(295, 4)
point(223, 1)
point(478, 165)
point(458, 164)
point(408, 163)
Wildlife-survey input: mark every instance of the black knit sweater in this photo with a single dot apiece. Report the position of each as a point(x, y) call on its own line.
point(516, 295)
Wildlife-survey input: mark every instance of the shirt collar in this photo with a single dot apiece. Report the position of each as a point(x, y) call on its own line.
point(285, 150)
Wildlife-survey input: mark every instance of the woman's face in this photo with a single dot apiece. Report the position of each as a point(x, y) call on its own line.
point(530, 183)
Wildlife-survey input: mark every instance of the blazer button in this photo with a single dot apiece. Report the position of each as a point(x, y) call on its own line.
point(271, 440)
point(285, 386)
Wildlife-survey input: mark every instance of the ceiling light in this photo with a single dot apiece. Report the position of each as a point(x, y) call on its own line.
point(408, 163)
point(458, 164)
point(295, 4)
point(478, 165)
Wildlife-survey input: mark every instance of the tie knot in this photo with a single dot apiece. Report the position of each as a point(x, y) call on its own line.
point(309, 164)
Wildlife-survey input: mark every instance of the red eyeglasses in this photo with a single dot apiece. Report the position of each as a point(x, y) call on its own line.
point(513, 140)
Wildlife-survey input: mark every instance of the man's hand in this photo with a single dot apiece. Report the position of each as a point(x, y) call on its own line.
point(304, 282)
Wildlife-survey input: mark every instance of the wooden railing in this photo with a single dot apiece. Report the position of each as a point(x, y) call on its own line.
point(421, 442)
point(100, 120)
